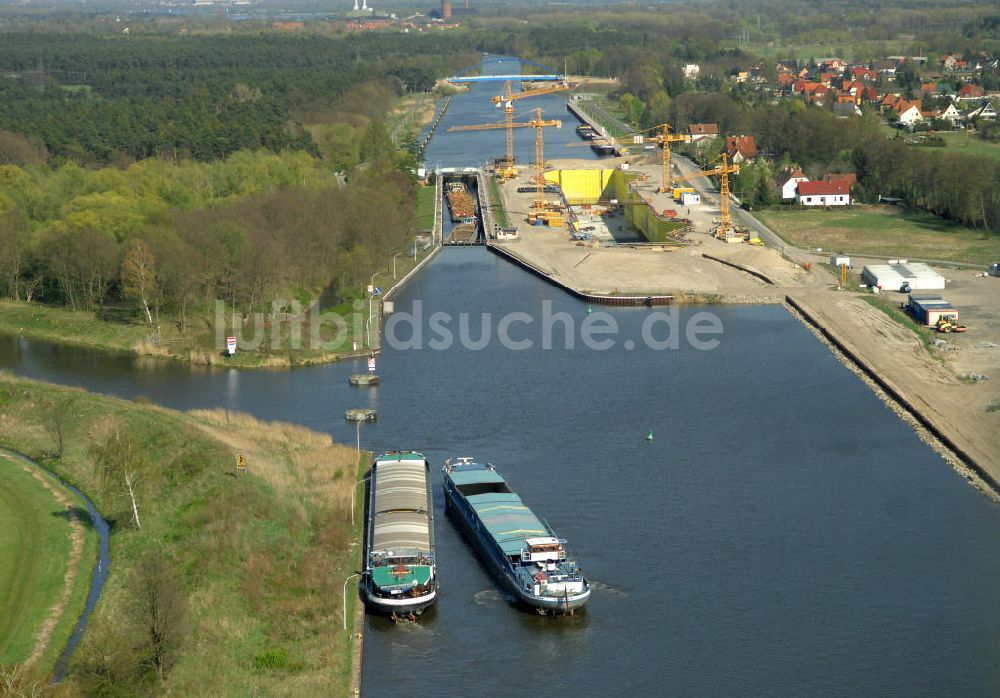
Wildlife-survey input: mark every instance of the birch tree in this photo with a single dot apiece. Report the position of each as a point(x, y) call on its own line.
point(119, 462)
point(138, 277)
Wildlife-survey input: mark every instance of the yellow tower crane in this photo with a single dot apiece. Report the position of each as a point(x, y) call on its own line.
point(725, 229)
point(507, 99)
point(538, 124)
point(666, 138)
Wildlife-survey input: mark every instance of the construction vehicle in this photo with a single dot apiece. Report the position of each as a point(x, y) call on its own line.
point(724, 230)
point(993, 269)
point(949, 324)
point(506, 168)
point(665, 138)
point(538, 124)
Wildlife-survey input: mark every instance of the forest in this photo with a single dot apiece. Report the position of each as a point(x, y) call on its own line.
point(97, 99)
point(157, 173)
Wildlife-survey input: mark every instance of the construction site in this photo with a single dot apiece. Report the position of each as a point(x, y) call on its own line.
point(643, 224)
point(638, 221)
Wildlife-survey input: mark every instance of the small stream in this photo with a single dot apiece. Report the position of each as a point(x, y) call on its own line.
point(98, 575)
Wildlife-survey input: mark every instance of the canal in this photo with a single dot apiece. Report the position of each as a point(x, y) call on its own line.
point(784, 533)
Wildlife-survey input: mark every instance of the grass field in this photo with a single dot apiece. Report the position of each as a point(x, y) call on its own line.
point(499, 212)
point(35, 550)
point(883, 231)
point(965, 144)
point(423, 217)
point(259, 559)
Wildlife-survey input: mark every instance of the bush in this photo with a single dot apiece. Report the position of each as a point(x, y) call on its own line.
point(272, 659)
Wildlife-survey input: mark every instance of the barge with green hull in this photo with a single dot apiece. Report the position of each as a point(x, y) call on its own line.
point(521, 551)
point(400, 576)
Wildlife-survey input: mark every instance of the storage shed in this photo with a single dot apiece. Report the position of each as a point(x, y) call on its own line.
point(895, 275)
point(929, 309)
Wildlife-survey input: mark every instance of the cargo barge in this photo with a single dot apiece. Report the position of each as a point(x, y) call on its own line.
point(400, 576)
point(522, 552)
point(461, 204)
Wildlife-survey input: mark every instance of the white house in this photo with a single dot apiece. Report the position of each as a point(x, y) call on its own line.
point(986, 111)
point(703, 132)
point(910, 115)
point(823, 194)
point(691, 71)
point(789, 181)
point(950, 114)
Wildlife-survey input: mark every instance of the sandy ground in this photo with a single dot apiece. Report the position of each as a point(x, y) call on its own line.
point(666, 269)
point(935, 383)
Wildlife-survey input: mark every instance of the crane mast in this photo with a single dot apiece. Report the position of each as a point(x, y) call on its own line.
point(725, 229)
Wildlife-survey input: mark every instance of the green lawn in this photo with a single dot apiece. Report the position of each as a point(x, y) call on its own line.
point(882, 231)
point(965, 144)
point(81, 327)
point(423, 218)
point(499, 212)
point(34, 557)
point(259, 559)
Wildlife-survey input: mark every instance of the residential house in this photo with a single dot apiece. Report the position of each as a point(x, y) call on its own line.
point(969, 91)
point(741, 148)
point(703, 132)
point(823, 194)
point(950, 113)
point(864, 73)
point(786, 80)
point(927, 88)
point(886, 69)
point(985, 111)
point(911, 114)
point(691, 71)
point(789, 180)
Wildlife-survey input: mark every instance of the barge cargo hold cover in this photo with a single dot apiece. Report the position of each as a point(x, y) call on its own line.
point(400, 577)
point(521, 551)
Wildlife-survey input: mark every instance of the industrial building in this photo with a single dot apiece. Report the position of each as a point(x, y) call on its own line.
point(928, 310)
point(900, 275)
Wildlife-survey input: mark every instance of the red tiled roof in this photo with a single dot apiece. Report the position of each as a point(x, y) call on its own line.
point(703, 129)
point(822, 188)
point(744, 145)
